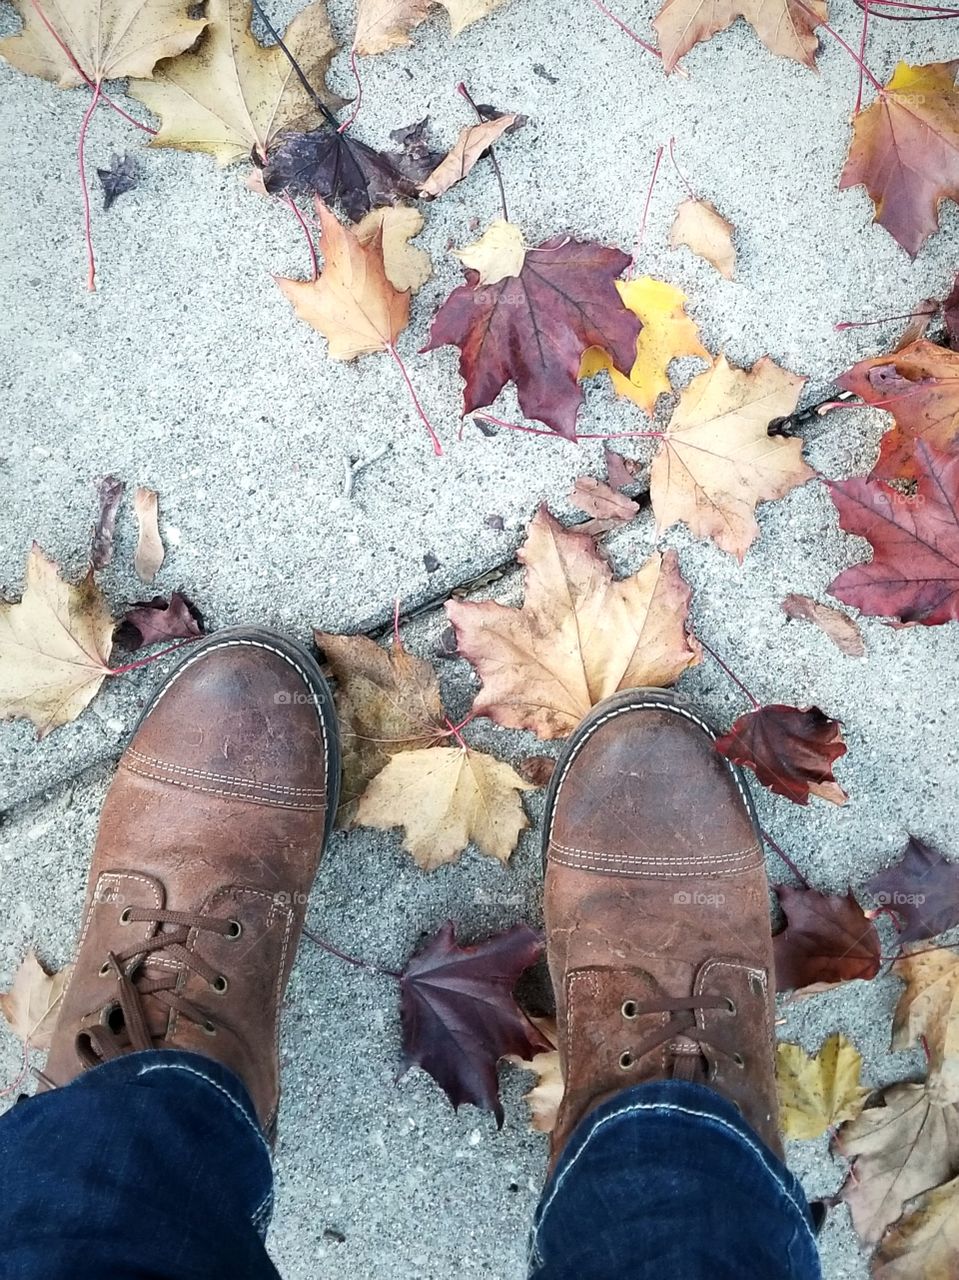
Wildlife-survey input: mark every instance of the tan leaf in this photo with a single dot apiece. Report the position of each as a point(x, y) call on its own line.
point(406, 266)
point(445, 797)
point(382, 25)
point(108, 38)
point(353, 304)
point(387, 701)
point(33, 1001)
point(928, 1010)
point(546, 1095)
point(717, 460)
point(600, 501)
point(699, 227)
point(148, 556)
point(470, 145)
point(579, 636)
point(838, 626)
point(899, 1150)
point(54, 646)
point(499, 252)
point(230, 95)
point(816, 1093)
point(537, 769)
point(925, 1241)
point(786, 27)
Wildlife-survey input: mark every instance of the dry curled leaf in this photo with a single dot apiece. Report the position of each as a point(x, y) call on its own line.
point(817, 1092)
point(406, 266)
point(601, 502)
point(473, 141)
point(54, 646)
point(786, 27)
point(445, 797)
point(838, 626)
point(791, 750)
point(928, 1014)
point(154, 620)
point(32, 1004)
point(579, 635)
point(109, 492)
point(148, 556)
point(230, 95)
point(382, 25)
point(827, 939)
point(701, 228)
point(547, 1093)
point(537, 769)
point(925, 1240)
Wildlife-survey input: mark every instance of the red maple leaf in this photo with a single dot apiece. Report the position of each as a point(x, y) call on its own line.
point(532, 329)
point(790, 749)
point(922, 889)
point(827, 939)
point(914, 572)
point(459, 1016)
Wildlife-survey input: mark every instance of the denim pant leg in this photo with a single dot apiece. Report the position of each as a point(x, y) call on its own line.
point(667, 1179)
point(149, 1167)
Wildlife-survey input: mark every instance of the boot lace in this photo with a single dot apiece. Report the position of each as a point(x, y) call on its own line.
point(683, 1023)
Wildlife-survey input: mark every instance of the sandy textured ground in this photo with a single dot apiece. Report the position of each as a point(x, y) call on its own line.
point(188, 371)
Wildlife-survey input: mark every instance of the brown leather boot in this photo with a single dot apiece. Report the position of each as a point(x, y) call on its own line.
point(209, 842)
point(657, 913)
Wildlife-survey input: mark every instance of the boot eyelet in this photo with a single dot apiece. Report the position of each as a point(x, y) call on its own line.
point(630, 1009)
point(219, 984)
point(105, 969)
point(756, 985)
point(626, 1060)
point(730, 1004)
point(125, 915)
point(208, 1028)
point(739, 1060)
point(234, 931)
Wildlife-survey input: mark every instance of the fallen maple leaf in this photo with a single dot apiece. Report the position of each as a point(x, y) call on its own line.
point(54, 646)
point(445, 797)
point(387, 701)
point(899, 1150)
point(826, 940)
point(547, 1093)
point(701, 228)
point(925, 1240)
point(914, 573)
point(406, 266)
point(919, 386)
point(921, 889)
point(230, 95)
point(473, 142)
point(928, 1014)
point(579, 635)
point(533, 329)
point(32, 1004)
point(352, 302)
point(109, 493)
point(149, 553)
point(818, 1092)
point(786, 27)
point(108, 39)
point(459, 1016)
point(717, 461)
point(119, 177)
point(498, 253)
point(667, 333)
point(905, 151)
point(154, 620)
point(382, 25)
point(838, 626)
point(790, 749)
point(601, 502)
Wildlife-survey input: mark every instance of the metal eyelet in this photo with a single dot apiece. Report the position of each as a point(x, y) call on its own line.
point(105, 969)
point(756, 985)
point(234, 931)
point(630, 1009)
point(125, 915)
point(626, 1060)
point(219, 984)
point(208, 1028)
point(730, 1004)
point(739, 1060)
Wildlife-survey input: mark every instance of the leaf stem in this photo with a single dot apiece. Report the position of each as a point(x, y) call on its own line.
point(315, 266)
point(849, 49)
point(145, 662)
point(464, 92)
point(627, 30)
point(341, 955)
point(315, 98)
point(735, 679)
point(585, 435)
point(778, 849)
point(434, 439)
point(933, 12)
point(862, 54)
point(682, 177)
point(863, 324)
point(359, 93)
point(649, 195)
point(84, 189)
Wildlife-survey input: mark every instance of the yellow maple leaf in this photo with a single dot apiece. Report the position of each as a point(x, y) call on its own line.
point(667, 333)
point(821, 1091)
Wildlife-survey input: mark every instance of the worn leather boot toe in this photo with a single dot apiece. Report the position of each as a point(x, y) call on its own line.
point(657, 913)
point(208, 845)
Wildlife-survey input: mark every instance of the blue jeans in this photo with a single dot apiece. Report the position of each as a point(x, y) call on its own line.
point(152, 1167)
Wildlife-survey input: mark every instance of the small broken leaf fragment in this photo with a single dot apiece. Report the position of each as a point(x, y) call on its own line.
point(229, 95)
point(445, 797)
point(109, 493)
point(32, 1004)
point(921, 889)
point(352, 302)
point(547, 1093)
point(827, 939)
point(667, 334)
point(537, 769)
point(148, 556)
point(459, 1015)
point(706, 232)
point(382, 25)
point(601, 502)
point(119, 177)
point(579, 635)
point(928, 1014)
point(498, 253)
point(406, 266)
point(54, 646)
point(158, 620)
point(473, 141)
point(838, 626)
point(818, 1091)
point(790, 749)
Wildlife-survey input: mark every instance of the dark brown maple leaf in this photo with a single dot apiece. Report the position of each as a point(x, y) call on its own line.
point(790, 749)
point(914, 572)
point(459, 1016)
point(827, 939)
point(154, 620)
point(922, 889)
point(532, 329)
point(119, 177)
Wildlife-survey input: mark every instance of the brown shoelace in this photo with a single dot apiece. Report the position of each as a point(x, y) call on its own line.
point(98, 1044)
point(682, 1023)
